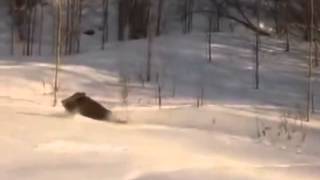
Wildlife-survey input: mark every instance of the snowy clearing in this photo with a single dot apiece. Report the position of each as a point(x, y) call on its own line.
point(221, 140)
point(239, 134)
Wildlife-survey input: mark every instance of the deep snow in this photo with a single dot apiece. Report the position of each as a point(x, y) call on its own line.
point(238, 134)
point(219, 140)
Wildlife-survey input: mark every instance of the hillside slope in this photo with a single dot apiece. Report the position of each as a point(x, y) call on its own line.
point(224, 139)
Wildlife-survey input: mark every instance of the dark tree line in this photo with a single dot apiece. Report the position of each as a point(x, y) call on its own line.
point(134, 17)
point(143, 19)
point(24, 22)
point(133, 14)
point(71, 26)
point(288, 15)
point(188, 16)
point(28, 21)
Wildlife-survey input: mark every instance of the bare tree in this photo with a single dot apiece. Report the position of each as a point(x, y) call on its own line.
point(78, 25)
point(210, 38)
point(188, 16)
point(13, 38)
point(243, 18)
point(124, 81)
point(227, 9)
point(257, 73)
point(59, 29)
point(66, 36)
point(71, 25)
point(151, 34)
point(218, 6)
point(105, 24)
point(287, 25)
point(122, 18)
point(310, 64)
point(133, 18)
point(29, 24)
point(276, 15)
point(316, 39)
point(159, 16)
point(33, 27)
point(200, 96)
point(174, 86)
point(41, 27)
point(159, 95)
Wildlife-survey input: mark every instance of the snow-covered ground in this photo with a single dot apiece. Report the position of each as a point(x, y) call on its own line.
point(236, 135)
point(240, 133)
point(38, 143)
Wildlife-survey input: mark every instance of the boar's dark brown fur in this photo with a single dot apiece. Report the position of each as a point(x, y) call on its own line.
point(80, 103)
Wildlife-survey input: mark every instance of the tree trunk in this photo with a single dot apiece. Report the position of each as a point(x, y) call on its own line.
point(316, 53)
point(33, 28)
point(218, 16)
point(105, 24)
point(310, 64)
point(13, 39)
point(159, 17)
point(276, 15)
point(122, 10)
point(159, 95)
point(316, 39)
point(79, 7)
point(210, 38)
point(41, 28)
point(150, 41)
point(257, 73)
point(308, 19)
point(58, 52)
point(188, 16)
point(287, 26)
point(66, 27)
